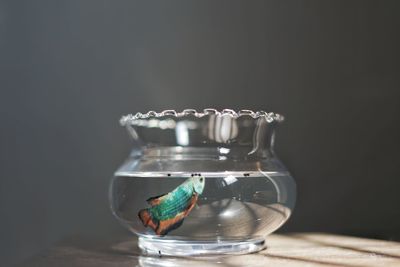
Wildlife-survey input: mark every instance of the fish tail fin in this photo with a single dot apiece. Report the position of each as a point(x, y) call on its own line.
point(147, 220)
point(168, 225)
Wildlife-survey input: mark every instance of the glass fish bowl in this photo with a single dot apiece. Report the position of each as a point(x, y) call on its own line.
point(201, 183)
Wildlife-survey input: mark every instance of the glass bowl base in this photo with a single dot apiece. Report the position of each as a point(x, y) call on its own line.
point(150, 246)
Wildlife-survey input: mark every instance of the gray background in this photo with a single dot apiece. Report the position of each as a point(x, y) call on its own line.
point(70, 69)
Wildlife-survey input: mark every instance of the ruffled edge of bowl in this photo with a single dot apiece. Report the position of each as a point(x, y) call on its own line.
point(269, 116)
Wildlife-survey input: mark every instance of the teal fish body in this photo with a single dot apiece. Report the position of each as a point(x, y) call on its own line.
point(168, 211)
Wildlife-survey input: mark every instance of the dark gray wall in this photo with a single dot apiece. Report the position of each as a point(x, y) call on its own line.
point(70, 69)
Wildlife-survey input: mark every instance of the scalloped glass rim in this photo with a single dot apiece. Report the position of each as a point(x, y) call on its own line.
point(269, 116)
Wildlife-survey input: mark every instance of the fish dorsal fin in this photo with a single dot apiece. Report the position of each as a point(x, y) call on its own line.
point(154, 201)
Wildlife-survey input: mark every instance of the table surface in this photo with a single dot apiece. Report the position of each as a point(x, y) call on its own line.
point(296, 249)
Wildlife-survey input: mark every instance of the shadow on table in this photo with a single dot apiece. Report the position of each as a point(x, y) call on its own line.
point(309, 261)
point(124, 252)
point(316, 240)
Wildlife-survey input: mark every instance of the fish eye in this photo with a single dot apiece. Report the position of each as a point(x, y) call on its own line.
point(201, 179)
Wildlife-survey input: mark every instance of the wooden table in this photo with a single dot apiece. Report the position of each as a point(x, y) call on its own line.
point(297, 249)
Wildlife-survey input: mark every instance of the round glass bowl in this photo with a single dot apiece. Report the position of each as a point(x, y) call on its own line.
point(202, 182)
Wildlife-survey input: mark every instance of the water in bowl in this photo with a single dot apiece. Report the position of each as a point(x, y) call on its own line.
point(235, 211)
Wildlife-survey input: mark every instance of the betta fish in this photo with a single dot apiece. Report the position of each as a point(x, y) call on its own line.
point(168, 211)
